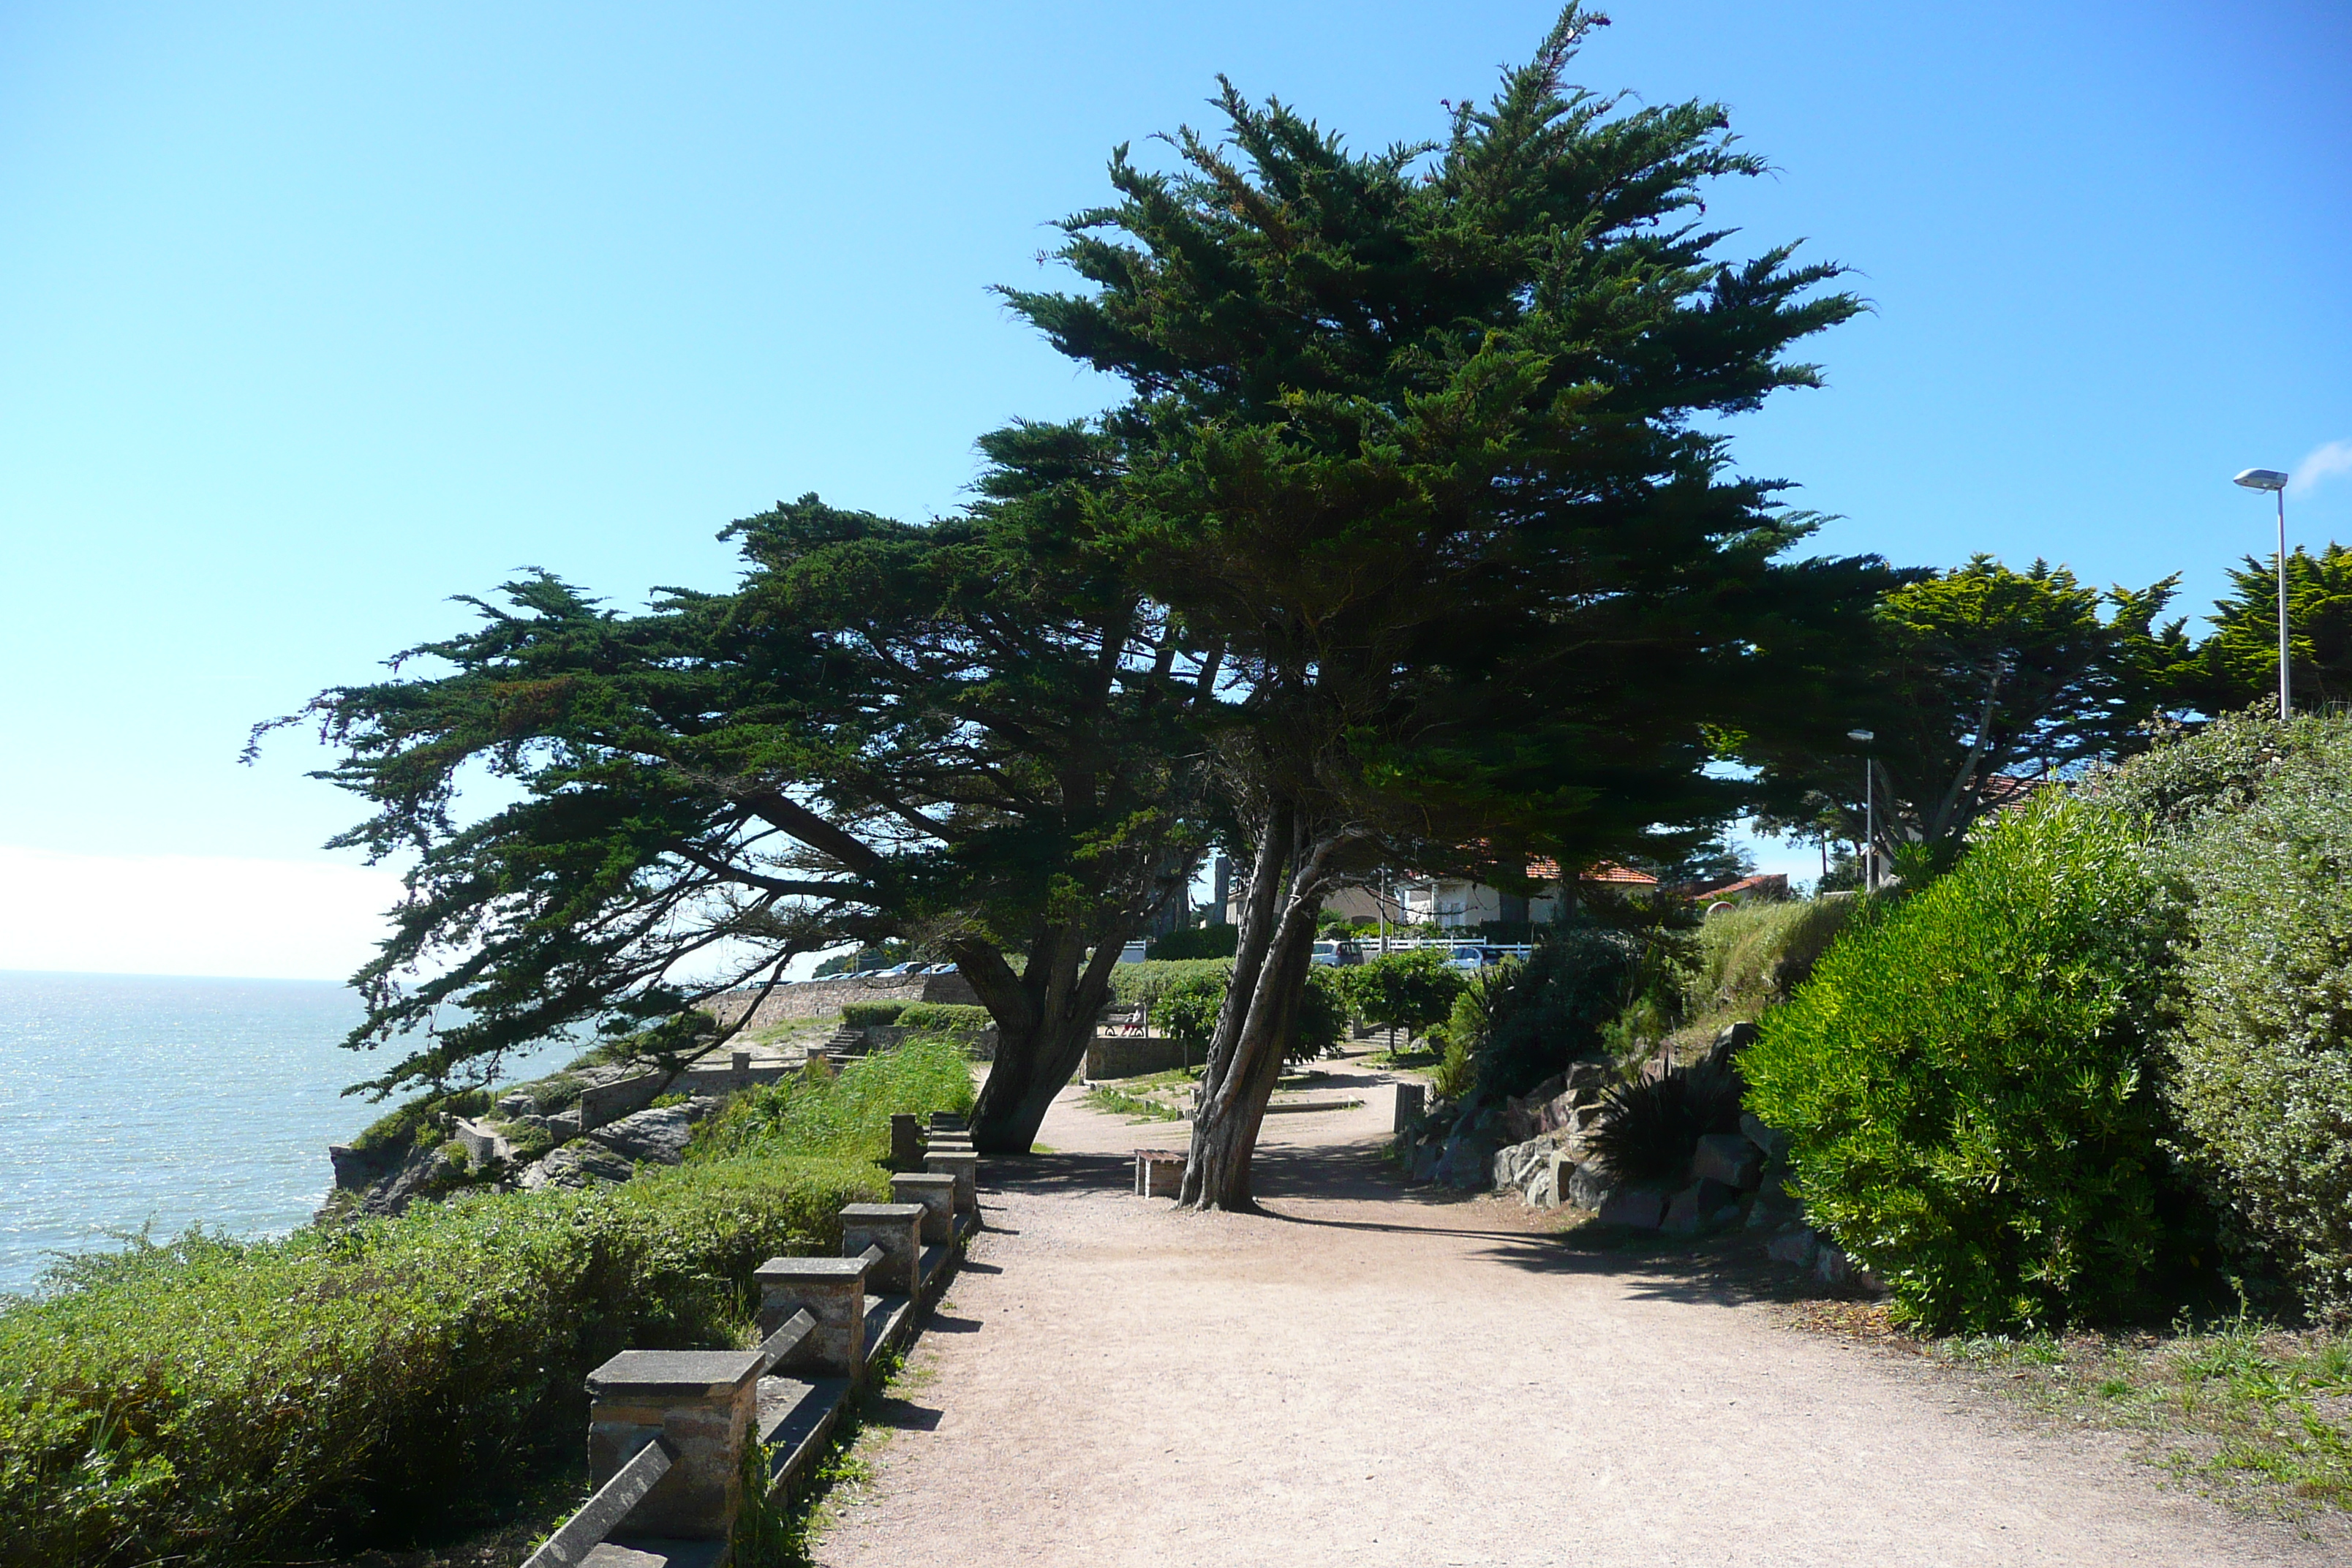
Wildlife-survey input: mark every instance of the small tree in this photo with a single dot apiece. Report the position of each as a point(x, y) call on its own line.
point(2238, 665)
point(1411, 991)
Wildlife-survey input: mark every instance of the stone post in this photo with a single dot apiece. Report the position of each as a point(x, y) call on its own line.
point(906, 1142)
point(898, 1230)
point(739, 1066)
point(946, 1121)
point(1408, 1102)
point(701, 1403)
point(935, 1194)
point(833, 1291)
point(964, 1167)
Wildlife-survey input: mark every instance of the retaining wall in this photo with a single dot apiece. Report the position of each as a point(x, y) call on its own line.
point(1132, 1055)
point(815, 998)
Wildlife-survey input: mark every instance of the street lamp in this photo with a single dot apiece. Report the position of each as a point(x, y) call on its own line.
point(2270, 479)
point(1869, 812)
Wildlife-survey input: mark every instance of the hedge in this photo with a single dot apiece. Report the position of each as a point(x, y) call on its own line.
point(216, 1400)
point(945, 1017)
point(865, 1014)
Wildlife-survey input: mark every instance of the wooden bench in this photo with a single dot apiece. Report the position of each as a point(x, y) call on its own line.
point(1158, 1173)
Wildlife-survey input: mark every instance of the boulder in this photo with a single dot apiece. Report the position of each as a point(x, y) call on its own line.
point(1773, 1144)
point(1728, 1158)
point(1729, 1041)
point(1830, 1265)
point(1696, 1207)
point(659, 1135)
point(1589, 1187)
point(1792, 1245)
point(1638, 1209)
point(1541, 1189)
point(581, 1163)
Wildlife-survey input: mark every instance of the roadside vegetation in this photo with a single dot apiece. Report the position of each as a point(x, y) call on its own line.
point(376, 1383)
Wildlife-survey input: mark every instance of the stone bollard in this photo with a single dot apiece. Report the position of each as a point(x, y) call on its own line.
point(1410, 1098)
point(946, 1121)
point(906, 1142)
point(964, 1167)
point(935, 1194)
point(833, 1291)
point(739, 1066)
point(701, 1403)
point(898, 1230)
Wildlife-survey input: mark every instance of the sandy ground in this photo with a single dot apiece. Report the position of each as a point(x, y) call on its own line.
point(1372, 1375)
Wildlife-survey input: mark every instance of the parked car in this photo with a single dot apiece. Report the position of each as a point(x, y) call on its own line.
point(1466, 958)
point(898, 969)
point(939, 969)
point(1338, 954)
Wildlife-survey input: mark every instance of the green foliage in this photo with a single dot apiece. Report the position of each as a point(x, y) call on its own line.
point(868, 1014)
point(1971, 675)
point(2238, 665)
point(222, 1402)
point(1969, 1081)
point(1321, 1022)
point(1187, 1009)
point(1455, 1073)
point(1411, 991)
point(847, 1116)
point(2219, 770)
point(2264, 1063)
point(1553, 1009)
point(1649, 1129)
point(426, 1117)
point(944, 1019)
point(1194, 942)
point(236, 1402)
point(1133, 983)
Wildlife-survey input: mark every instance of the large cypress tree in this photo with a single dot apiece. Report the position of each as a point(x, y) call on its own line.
point(966, 732)
point(1428, 471)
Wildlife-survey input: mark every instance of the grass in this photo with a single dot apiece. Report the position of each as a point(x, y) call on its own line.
point(785, 1533)
point(2259, 1414)
point(1134, 1106)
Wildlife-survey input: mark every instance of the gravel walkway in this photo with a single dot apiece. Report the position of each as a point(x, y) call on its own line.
point(1372, 1374)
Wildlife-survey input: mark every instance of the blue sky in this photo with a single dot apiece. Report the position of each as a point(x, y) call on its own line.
point(313, 315)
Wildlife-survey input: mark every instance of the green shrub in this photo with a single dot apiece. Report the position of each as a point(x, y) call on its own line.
point(223, 1402)
point(868, 1015)
point(1968, 1081)
point(1322, 1021)
point(1187, 1009)
point(1195, 941)
point(426, 1116)
point(1133, 983)
point(218, 1402)
point(2262, 1081)
point(945, 1018)
point(1552, 1009)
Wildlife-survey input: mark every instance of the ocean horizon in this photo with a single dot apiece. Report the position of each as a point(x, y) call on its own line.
point(132, 1102)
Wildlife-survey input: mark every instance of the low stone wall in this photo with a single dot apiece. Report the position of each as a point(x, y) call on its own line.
point(815, 998)
point(1133, 1056)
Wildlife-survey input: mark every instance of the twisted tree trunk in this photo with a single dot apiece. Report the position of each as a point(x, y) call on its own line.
point(1275, 947)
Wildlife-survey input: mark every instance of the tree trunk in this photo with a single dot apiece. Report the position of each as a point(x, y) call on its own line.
point(1045, 1018)
point(1275, 946)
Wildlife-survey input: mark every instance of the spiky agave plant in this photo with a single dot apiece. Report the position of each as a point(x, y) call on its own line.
point(1648, 1130)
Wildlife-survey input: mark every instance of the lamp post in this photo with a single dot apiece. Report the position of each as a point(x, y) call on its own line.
point(2270, 479)
point(1869, 812)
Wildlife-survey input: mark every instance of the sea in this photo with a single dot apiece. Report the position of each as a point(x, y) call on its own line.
point(132, 1103)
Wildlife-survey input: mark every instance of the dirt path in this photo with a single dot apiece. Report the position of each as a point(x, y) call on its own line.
point(1372, 1375)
